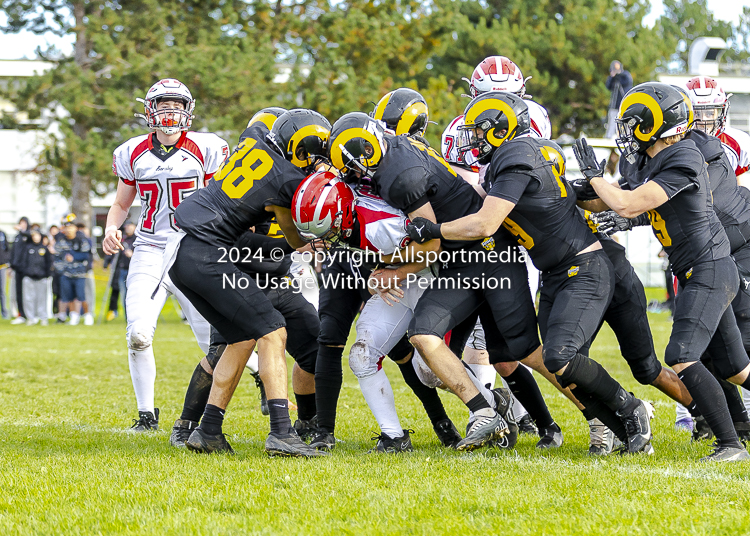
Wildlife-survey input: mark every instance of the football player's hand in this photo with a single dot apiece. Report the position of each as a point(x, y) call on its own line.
point(422, 230)
point(583, 189)
point(112, 240)
point(609, 222)
point(587, 160)
point(384, 282)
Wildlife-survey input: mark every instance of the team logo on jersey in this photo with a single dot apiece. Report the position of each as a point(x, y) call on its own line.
point(488, 243)
point(689, 273)
point(573, 271)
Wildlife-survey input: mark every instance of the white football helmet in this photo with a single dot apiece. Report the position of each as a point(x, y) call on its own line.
point(497, 73)
point(168, 121)
point(453, 138)
point(710, 104)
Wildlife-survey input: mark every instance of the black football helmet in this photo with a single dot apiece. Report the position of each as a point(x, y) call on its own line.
point(404, 111)
point(491, 119)
point(301, 136)
point(267, 116)
point(649, 112)
point(357, 144)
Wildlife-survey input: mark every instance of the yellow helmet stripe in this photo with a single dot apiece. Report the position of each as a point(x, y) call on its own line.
point(310, 130)
point(337, 156)
point(690, 108)
point(380, 108)
point(409, 116)
point(649, 102)
point(265, 118)
point(493, 104)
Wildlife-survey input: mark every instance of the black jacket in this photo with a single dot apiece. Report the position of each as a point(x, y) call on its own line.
point(37, 261)
point(4, 249)
point(16, 259)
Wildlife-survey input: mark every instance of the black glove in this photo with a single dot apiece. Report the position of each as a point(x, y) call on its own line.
point(609, 222)
point(421, 230)
point(583, 189)
point(587, 160)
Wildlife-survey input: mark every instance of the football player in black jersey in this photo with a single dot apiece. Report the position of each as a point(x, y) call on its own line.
point(665, 176)
point(529, 196)
point(255, 185)
point(415, 179)
point(404, 111)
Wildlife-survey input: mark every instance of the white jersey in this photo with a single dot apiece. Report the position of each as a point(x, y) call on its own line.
point(541, 126)
point(737, 148)
point(163, 181)
point(453, 138)
point(382, 227)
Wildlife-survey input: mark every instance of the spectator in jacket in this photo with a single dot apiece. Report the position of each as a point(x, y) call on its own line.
point(15, 263)
point(619, 82)
point(37, 269)
point(4, 265)
point(73, 259)
point(121, 271)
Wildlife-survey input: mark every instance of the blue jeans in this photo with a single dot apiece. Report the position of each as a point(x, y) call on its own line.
point(122, 282)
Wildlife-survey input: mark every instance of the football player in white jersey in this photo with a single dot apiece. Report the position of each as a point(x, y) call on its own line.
point(711, 106)
point(162, 168)
point(498, 73)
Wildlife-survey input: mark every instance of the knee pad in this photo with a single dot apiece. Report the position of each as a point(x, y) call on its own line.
point(215, 351)
point(424, 373)
point(140, 336)
point(364, 360)
point(307, 361)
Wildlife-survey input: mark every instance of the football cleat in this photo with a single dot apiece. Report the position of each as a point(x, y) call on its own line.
point(743, 431)
point(726, 454)
point(263, 399)
point(637, 423)
point(526, 426)
point(146, 421)
point(200, 441)
point(551, 437)
point(323, 440)
point(290, 446)
point(504, 406)
point(181, 432)
point(685, 425)
point(601, 438)
point(392, 445)
point(702, 430)
point(447, 433)
point(483, 430)
point(306, 429)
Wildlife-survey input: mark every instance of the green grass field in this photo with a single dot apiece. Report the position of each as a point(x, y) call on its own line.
point(69, 465)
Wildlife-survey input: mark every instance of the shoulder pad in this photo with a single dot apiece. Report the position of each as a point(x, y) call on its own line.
point(518, 153)
point(709, 146)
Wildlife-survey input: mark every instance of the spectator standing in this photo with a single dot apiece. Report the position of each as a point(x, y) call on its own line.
point(90, 281)
point(4, 264)
point(54, 230)
point(619, 82)
point(16, 264)
point(73, 259)
point(37, 268)
point(123, 266)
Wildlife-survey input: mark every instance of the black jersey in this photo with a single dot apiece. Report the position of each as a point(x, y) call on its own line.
point(530, 172)
point(412, 175)
point(686, 225)
point(731, 204)
point(253, 178)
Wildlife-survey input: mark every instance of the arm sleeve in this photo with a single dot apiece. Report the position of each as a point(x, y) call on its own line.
point(673, 182)
point(510, 186)
point(216, 153)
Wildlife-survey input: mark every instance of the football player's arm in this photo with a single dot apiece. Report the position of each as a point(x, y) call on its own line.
point(630, 203)
point(593, 205)
point(425, 211)
point(117, 215)
point(285, 221)
point(480, 224)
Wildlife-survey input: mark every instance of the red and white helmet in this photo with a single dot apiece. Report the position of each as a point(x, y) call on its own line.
point(323, 208)
point(497, 73)
point(710, 104)
point(168, 121)
point(453, 138)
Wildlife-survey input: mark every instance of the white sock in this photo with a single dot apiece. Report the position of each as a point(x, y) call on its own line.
point(379, 396)
point(479, 385)
point(143, 372)
point(682, 412)
point(484, 373)
point(519, 412)
point(252, 363)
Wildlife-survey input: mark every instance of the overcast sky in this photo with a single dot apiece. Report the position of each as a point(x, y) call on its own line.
point(23, 45)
